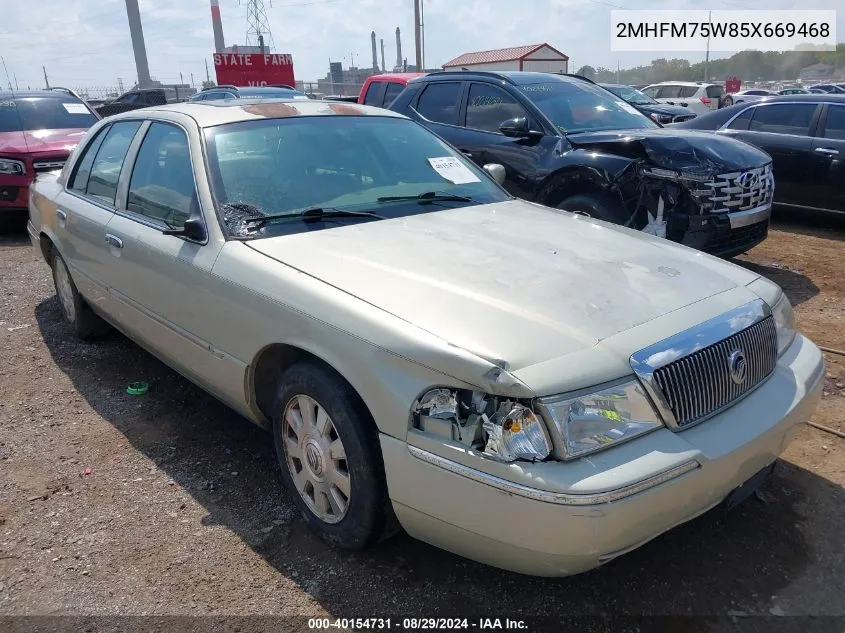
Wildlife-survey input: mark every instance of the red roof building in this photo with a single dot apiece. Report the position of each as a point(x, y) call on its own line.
point(535, 57)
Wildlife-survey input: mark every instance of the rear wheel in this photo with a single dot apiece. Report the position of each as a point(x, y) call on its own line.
point(86, 325)
point(328, 451)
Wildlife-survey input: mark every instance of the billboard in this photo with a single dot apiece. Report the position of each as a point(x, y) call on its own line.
point(253, 69)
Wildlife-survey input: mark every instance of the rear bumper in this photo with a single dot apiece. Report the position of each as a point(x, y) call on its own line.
point(531, 529)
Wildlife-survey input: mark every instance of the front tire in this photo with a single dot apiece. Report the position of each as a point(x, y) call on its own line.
point(327, 448)
point(596, 205)
point(86, 325)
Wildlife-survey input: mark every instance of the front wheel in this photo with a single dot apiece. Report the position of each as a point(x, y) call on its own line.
point(596, 205)
point(328, 451)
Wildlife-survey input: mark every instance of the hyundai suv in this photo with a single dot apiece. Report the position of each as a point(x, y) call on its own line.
point(38, 131)
point(566, 142)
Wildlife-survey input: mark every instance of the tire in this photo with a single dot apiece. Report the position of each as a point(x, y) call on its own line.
point(596, 205)
point(352, 512)
point(85, 324)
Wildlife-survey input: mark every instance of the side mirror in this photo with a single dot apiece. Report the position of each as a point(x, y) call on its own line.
point(496, 171)
point(193, 230)
point(516, 128)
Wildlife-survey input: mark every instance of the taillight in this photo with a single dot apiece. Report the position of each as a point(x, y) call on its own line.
point(706, 101)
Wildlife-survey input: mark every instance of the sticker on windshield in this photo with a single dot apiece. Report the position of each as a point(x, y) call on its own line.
point(76, 108)
point(453, 170)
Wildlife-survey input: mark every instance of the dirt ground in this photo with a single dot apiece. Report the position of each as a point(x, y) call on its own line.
point(170, 504)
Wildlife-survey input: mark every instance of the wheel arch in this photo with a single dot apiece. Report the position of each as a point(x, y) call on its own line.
point(574, 180)
point(270, 363)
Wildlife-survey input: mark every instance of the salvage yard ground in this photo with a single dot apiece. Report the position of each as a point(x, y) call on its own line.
point(168, 503)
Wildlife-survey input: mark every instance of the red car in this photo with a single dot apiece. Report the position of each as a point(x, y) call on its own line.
point(38, 131)
point(381, 90)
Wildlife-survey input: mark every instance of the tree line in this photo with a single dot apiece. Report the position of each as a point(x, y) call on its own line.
point(747, 65)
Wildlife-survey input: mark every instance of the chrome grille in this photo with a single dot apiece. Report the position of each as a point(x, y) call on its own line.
point(737, 191)
point(701, 383)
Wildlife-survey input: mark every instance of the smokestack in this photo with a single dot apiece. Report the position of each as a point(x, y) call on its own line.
point(398, 50)
point(375, 54)
point(136, 32)
point(217, 25)
point(383, 68)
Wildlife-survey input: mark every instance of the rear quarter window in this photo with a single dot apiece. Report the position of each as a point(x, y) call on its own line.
point(375, 94)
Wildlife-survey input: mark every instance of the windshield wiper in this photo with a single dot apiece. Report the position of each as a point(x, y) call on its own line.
point(425, 198)
point(314, 215)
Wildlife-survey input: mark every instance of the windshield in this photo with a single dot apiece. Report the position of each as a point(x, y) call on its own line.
point(584, 107)
point(338, 164)
point(631, 95)
point(19, 114)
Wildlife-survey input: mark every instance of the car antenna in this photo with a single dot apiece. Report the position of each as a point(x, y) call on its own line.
point(7, 74)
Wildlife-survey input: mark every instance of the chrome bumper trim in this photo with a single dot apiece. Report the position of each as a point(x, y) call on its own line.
point(546, 496)
point(751, 216)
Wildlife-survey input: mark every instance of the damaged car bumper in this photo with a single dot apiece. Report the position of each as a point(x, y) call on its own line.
point(562, 518)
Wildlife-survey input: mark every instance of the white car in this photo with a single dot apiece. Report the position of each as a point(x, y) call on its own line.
point(699, 97)
point(750, 96)
point(530, 388)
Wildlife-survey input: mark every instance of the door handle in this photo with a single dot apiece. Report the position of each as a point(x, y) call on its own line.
point(61, 214)
point(467, 154)
point(114, 240)
point(827, 151)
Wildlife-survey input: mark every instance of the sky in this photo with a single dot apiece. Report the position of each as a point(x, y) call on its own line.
point(86, 44)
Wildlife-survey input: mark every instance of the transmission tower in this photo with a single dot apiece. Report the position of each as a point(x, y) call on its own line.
point(258, 26)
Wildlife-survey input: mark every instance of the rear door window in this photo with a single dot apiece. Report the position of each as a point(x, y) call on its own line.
point(375, 94)
point(105, 171)
point(391, 92)
point(83, 167)
point(784, 118)
point(439, 102)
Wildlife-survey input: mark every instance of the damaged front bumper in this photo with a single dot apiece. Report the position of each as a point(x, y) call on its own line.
point(722, 214)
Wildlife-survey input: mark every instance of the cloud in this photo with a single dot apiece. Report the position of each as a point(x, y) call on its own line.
point(86, 43)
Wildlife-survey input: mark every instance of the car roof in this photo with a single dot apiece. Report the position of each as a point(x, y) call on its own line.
point(516, 77)
point(220, 111)
point(683, 83)
point(253, 90)
point(400, 76)
point(28, 94)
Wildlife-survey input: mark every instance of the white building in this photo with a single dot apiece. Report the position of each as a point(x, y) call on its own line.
point(534, 57)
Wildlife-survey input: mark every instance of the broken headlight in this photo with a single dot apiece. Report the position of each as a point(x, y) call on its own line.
point(502, 428)
point(600, 419)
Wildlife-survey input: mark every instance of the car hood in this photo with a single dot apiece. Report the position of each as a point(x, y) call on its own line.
point(30, 141)
point(680, 150)
point(662, 108)
point(513, 282)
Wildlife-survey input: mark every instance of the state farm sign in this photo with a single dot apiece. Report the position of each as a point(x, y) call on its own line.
point(254, 69)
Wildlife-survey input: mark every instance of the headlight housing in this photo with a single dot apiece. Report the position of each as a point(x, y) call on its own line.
point(502, 428)
point(11, 167)
point(598, 419)
point(784, 323)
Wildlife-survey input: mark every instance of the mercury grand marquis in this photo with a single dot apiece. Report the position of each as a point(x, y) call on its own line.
point(523, 386)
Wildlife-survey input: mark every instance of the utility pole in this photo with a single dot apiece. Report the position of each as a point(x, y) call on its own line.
point(617, 71)
point(46, 81)
point(707, 56)
point(417, 35)
point(422, 35)
point(258, 25)
point(192, 80)
point(181, 81)
point(136, 32)
point(207, 75)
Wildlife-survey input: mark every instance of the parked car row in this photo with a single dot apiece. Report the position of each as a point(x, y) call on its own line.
point(532, 389)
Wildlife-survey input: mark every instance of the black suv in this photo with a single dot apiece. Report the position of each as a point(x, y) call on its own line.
point(566, 142)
